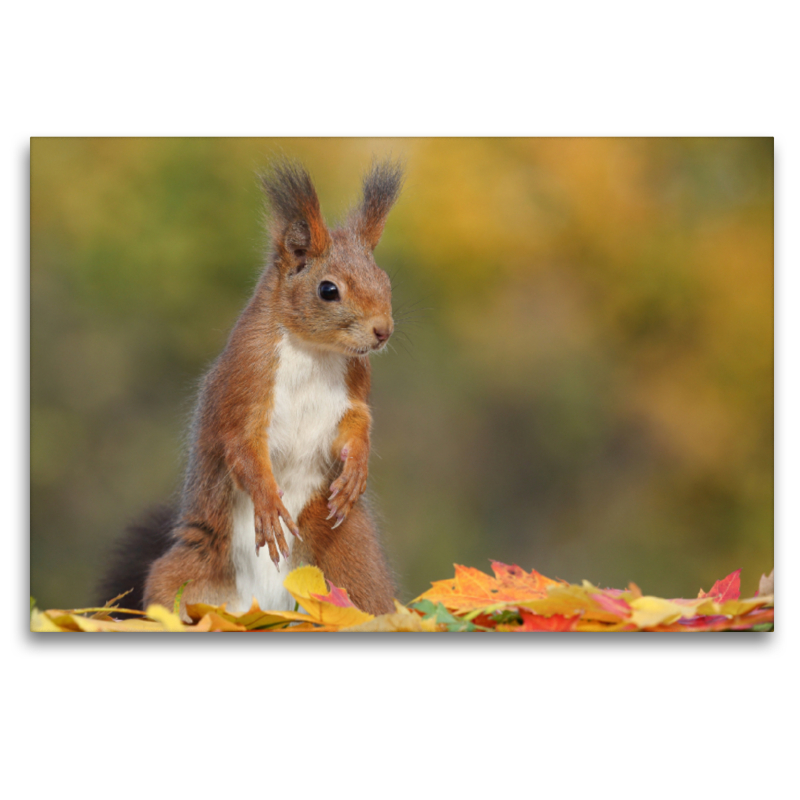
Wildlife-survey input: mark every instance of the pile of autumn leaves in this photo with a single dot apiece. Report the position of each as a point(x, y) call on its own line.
point(512, 600)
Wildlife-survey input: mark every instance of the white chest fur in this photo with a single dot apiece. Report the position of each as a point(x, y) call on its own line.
point(310, 399)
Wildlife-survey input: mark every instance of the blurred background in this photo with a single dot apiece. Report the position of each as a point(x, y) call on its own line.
point(581, 381)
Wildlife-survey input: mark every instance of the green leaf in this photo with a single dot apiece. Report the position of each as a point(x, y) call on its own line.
point(427, 607)
point(441, 616)
point(506, 617)
point(177, 605)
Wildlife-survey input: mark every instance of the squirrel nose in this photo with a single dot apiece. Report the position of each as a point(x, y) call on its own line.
point(382, 332)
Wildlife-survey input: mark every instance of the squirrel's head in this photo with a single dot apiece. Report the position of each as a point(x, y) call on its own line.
point(332, 294)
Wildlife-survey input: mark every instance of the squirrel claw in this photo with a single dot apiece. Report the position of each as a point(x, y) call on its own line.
point(339, 521)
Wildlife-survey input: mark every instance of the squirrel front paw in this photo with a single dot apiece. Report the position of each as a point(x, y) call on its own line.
point(350, 485)
point(269, 511)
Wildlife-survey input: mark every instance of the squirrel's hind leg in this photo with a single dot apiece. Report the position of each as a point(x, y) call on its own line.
point(349, 556)
point(209, 575)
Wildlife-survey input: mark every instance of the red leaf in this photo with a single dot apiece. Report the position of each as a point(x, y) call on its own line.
point(721, 623)
point(336, 597)
point(725, 589)
point(536, 622)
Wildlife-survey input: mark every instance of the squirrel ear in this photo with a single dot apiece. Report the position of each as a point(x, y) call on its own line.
point(382, 186)
point(296, 225)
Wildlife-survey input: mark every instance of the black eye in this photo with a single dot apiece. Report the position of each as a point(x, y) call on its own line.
point(328, 291)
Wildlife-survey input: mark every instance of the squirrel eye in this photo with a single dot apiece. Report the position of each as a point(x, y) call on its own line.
point(328, 291)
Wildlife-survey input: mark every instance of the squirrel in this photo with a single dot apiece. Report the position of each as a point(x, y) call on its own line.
point(280, 437)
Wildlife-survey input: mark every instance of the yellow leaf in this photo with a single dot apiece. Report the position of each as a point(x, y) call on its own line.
point(64, 620)
point(733, 608)
point(89, 625)
point(401, 620)
point(569, 600)
point(169, 621)
point(651, 611)
point(41, 623)
point(308, 627)
point(250, 620)
point(304, 582)
point(72, 621)
point(592, 626)
point(214, 622)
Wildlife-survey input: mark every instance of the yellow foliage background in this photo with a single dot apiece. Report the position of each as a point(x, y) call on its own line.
point(583, 384)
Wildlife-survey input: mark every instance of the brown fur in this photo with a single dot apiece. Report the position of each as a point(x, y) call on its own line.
point(229, 446)
point(350, 556)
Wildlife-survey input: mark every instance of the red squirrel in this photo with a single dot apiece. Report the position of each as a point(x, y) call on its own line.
point(280, 437)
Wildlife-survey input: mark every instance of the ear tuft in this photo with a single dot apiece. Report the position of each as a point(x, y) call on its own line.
point(297, 227)
point(382, 186)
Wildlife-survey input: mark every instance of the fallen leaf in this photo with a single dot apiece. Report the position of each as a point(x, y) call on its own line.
point(170, 621)
point(213, 622)
point(569, 600)
point(401, 620)
point(444, 620)
point(309, 627)
point(514, 577)
point(306, 584)
point(41, 623)
point(766, 585)
point(556, 622)
point(720, 622)
point(472, 589)
point(617, 606)
point(336, 596)
point(725, 589)
point(136, 625)
point(512, 600)
point(651, 611)
point(253, 619)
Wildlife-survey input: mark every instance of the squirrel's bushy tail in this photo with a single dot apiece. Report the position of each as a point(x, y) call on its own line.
point(130, 560)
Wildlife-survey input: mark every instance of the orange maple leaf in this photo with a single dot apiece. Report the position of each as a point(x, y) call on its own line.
point(472, 589)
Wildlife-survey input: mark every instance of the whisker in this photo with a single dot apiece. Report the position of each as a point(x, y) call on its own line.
point(401, 340)
point(410, 305)
point(404, 322)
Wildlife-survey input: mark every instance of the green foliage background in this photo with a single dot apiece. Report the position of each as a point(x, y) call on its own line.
point(583, 384)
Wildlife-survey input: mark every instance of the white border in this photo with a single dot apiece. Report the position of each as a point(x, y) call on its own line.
point(401, 715)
